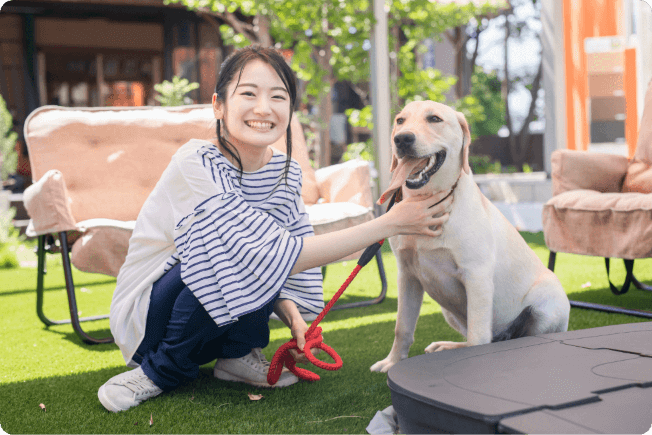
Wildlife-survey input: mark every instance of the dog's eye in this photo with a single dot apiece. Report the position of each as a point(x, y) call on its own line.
point(434, 118)
point(400, 121)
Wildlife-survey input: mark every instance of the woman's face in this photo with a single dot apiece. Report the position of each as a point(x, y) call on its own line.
point(256, 112)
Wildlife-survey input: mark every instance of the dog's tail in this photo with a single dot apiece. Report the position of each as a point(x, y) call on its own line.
point(519, 327)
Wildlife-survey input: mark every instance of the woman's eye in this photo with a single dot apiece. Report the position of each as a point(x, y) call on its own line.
point(248, 94)
point(279, 97)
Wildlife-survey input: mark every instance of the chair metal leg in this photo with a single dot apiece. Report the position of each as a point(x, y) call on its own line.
point(606, 308)
point(639, 285)
point(383, 290)
point(75, 320)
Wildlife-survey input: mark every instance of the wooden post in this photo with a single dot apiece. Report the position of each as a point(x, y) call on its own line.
point(41, 81)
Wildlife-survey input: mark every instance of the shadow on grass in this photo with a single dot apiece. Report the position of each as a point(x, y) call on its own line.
point(72, 337)
point(47, 288)
point(634, 298)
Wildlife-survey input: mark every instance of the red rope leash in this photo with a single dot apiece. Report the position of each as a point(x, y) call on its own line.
point(313, 336)
point(314, 339)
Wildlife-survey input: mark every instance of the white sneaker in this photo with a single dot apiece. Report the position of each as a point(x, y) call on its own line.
point(251, 369)
point(127, 390)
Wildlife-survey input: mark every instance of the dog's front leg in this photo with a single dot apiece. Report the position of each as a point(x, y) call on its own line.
point(479, 302)
point(410, 298)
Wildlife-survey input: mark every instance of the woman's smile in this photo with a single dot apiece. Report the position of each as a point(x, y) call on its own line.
point(262, 126)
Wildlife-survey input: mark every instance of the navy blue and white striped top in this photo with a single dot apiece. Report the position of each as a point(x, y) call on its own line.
point(238, 246)
point(237, 241)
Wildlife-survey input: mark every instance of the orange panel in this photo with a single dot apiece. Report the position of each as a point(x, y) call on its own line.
point(584, 19)
point(631, 122)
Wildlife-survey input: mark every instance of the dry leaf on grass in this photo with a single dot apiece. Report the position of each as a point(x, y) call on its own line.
point(151, 419)
point(255, 396)
point(586, 284)
point(42, 406)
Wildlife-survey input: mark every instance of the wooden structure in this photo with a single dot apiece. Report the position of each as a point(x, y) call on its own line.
point(100, 53)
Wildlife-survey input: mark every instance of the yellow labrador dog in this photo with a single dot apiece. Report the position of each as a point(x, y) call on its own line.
point(491, 286)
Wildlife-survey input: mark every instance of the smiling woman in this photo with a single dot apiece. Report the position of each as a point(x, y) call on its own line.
point(259, 112)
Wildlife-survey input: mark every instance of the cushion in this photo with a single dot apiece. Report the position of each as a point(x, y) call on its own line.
point(573, 170)
point(48, 204)
point(346, 182)
point(589, 222)
point(103, 246)
point(328, 217)
point(638, 178)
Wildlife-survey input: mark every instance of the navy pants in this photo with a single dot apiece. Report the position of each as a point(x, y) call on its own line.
point(180, 335)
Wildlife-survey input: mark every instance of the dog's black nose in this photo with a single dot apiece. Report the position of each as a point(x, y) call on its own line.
point(404, 141)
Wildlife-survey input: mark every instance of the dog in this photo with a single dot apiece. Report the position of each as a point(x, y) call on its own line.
point(490, 285)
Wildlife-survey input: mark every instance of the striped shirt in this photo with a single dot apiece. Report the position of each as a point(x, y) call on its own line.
point(236, 239)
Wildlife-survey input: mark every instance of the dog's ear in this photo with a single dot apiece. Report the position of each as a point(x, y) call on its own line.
point(466, 141)
point(394, 163)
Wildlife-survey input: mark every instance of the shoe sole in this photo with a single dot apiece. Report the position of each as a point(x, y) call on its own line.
point(104, 400)
point(226, 376)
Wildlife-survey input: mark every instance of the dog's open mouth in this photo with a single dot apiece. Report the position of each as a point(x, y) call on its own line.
point(413, 172)
point(420, 177)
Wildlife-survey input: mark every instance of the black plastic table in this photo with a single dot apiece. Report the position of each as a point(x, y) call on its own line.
point(595, 380)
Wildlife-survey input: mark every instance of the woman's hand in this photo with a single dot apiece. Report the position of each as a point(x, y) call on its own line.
point(298, 330)
point(418, 215)
point(287, 311)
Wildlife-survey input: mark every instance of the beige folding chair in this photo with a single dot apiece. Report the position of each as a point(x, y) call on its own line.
point(93, 168)
point(602, 206)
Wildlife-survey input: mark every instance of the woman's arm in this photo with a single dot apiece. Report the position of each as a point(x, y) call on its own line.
point(410, 216)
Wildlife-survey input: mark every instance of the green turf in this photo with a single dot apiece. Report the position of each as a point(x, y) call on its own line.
point(52, 366)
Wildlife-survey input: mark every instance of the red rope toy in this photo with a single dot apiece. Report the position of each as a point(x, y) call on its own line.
point(314, 339)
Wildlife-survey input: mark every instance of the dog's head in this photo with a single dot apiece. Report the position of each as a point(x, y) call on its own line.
point(430, 146)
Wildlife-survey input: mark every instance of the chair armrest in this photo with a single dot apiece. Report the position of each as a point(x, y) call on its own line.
point(345, 182)
point(572, 170)
point(48, 205)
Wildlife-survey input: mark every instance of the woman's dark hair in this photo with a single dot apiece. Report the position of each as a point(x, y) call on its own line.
point(234, 64)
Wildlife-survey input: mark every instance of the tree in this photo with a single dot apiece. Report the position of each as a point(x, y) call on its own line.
point(486, 87)
point(516, 27)
point(330, 42)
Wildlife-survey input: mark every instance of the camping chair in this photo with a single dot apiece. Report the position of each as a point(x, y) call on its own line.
point(602, 206)
point(94, 168)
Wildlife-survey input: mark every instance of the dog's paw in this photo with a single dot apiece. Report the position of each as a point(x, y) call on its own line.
point(445, 345)
point(383, 365)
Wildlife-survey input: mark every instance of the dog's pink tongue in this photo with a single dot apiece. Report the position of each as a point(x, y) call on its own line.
point(401, 173)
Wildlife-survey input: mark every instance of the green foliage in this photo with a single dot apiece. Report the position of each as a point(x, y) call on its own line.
point(8, 154)
point(9, 236)
point(486, 89)
point(360, 150)
point(174, 93)
point(482, 164)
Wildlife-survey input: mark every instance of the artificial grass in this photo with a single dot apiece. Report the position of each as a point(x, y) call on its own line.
point(52, 366)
